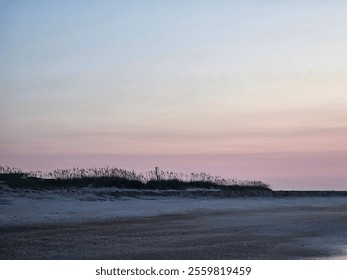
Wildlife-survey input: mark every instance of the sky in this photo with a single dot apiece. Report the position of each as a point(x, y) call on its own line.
point(244, 89)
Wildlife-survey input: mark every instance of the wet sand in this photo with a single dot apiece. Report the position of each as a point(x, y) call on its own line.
point(277, 232)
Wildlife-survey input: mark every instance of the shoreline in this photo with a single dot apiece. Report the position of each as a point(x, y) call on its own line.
point(295, 228)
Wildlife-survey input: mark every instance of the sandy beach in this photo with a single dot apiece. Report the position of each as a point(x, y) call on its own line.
point(173, 228)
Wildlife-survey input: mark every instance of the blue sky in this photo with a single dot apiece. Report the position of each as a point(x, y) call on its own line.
point(247, 89)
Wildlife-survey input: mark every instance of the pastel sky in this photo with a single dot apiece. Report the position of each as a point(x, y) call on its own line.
point(243, 89)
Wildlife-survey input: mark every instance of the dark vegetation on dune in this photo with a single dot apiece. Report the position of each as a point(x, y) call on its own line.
point(123, 179)
point(152, 183)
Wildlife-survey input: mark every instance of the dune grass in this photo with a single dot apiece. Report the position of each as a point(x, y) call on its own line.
point(121, 178)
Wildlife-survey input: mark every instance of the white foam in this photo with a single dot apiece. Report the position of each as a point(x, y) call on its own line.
point(35, 207)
